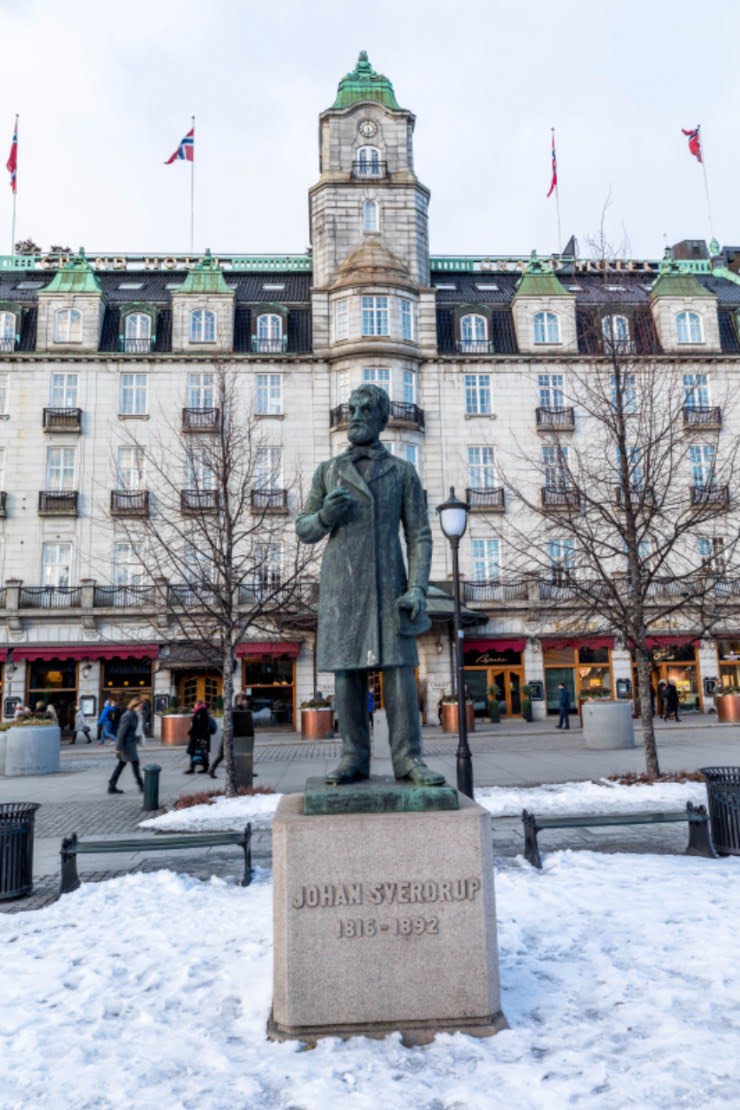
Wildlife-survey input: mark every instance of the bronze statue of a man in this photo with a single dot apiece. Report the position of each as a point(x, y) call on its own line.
point(369, 614)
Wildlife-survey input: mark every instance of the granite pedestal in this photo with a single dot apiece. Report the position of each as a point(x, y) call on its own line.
point(384, 922)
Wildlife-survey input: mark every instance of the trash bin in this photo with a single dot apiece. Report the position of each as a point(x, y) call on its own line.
point(723, 794)
point(16, 849)
point(244, 747)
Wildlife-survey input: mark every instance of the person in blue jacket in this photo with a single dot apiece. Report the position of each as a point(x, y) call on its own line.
point(564, 703)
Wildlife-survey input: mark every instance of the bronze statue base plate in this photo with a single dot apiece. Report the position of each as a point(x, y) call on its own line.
point(380, 794)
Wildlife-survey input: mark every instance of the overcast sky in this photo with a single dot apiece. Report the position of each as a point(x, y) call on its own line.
point(105, 92)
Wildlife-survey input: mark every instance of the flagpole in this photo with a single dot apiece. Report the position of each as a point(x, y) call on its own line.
point(192, 190)
point(15, 190)
point(557, 201)
point(706, 186)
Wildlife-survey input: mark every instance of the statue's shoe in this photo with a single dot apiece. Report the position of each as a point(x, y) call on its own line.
point(344, 773)
point(421, 775)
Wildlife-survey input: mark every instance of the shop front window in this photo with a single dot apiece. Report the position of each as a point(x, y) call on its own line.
point(729, 662)
point(269, 685)
point(54, 682)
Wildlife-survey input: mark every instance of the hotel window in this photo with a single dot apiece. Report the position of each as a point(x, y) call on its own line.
point(7, 331)
point(702, 458)
point(342, 387)
point(409, 387)
point(370, 218)
point(481, 468)
point(269, 395)
point(269, 575)
point(546, 327)
point(555, 467)
point(711, 551)
point(407, 319)
point(626, 386)
point(561, 555)
point(688, 328)
point(377, 376)
point(367, 163)
point(201, 394)
point(4, 378)
point(341, 319)
point(375, 316)
point(199, 473)
point(127, 568)
point(202, 326)
point(134, 389)
point(551, 391)
point(478, 394)
point(67, 325)
point(64, 390)
point(130, 468)
point(474, 334)
point(486, 560)
point(56, 564)
point(269, 332)
point(268, 468)
point(615, 331)
point(696, 391)
point(60, 469)
point(138, 326)
point(409, 452)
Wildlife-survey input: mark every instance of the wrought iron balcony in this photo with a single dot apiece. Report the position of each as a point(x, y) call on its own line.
point(3, 504)
point(474, 346)
point(123, 597)
point(269, 346)
point(137, 346)
point(269, 501)
point(362, 170)
point(560, 497)
point(561, 419)
point(707, 418)
point(198, 500)
point(58, 504)
point(186, 594)
point(201, 420)
point(62, 420)
point(50, 597)
point(129, 502)
point(254, 593)
point(403, 413)
point(711, 496)
point(639, 495)
point(492, 589)
point(7, 346)
point(490, 500)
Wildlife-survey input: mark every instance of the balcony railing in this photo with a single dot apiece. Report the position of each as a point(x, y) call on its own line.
point(50, 597)
point(137, 346)
point(129, 502)
point(58, 504)
point(491, 500)
point(269, 346)
point(7, 346)
point(557, 589)
point(492, 589)
point(707, 419)
point(711, 496)
point(474, 346)
point(269, 501)
point(254, 593)
point(639, 495)
point(62, 420)
point(560, 497)
point(123, 597)
point(198, 500)
point(402, 412)
point(183, 593)
point(555, 419)
point(363, 170)
point(200, 420)
point(3, 504)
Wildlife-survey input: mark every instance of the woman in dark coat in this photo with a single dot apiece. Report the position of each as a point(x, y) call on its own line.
point(127, 748)
point(671, 702)
point(200, 739)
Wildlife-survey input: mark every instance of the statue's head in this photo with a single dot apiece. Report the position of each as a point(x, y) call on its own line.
point(369, 412)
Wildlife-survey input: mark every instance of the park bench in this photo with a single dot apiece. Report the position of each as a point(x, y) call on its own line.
point(72, 848)
point(700, 837)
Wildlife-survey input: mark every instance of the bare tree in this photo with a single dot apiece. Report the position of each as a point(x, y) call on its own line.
point(214, 533)
point(624, 525)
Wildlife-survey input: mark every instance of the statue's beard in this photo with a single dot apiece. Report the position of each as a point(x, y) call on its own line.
point(362, 435)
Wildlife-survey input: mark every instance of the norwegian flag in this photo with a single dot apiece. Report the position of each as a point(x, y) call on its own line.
point(186, 149)
point(12, 163)
point(554, 182)
point(694, 141)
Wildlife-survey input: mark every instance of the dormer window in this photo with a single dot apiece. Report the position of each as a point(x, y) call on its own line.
point(202, 326)
point(688, 328)
point(269, 337)
point(368, 163)
point(546, 327)
point(474, 334)
point(370, 217)
point(7, 331)
point(138, 333)
point(616, 333)
point(67, 325)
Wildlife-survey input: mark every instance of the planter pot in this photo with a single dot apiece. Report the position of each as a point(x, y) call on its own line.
point(317, 724)
point(608, 724)
point(449, 716)
point(175, 729)
point(728, 707)
point(33, 750)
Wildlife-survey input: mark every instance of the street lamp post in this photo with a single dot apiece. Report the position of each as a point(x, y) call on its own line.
point(453, 519)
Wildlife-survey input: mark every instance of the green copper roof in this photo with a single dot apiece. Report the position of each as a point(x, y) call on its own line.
point(363, 83)
point(539, 281)
point(672, 281)
point(206, 277)
point(77, 276)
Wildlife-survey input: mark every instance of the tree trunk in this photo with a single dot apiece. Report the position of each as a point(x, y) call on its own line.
point(228, 726)
point(646, 716)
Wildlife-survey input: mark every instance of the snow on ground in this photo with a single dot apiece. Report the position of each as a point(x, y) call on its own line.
point(224, 815)
point(620, 984)
point(590, 797)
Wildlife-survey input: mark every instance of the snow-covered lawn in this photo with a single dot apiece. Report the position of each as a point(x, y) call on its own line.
point(620, 982)
point(232, 814)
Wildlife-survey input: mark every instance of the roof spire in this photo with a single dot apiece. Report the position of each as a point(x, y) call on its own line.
point(363, 83)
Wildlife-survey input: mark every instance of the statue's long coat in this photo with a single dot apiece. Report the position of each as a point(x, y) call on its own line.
point(363, 572)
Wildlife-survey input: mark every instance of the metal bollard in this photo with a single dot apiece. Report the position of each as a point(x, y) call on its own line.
point(151, 786)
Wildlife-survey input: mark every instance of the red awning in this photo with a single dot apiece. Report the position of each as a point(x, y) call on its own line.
point(110, 651)
point(3, 654)
point(556, 643)
point(671, 641)
point(511, 643)
point(268, 647)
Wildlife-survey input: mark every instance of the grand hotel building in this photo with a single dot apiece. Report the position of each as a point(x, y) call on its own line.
point(474, 352)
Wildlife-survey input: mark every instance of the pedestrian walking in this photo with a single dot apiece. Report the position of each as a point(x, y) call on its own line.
point(662, 687)
point(127, 748)
point(200, 739)
point(371, 708)
point(108, 721)
point(82, 726)
point(564, 706)
point(671, 701)
point(140, 730)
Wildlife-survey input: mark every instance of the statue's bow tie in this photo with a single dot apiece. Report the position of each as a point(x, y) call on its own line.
point(357, 453)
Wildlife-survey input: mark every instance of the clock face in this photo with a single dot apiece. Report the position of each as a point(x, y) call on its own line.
point(368, 128)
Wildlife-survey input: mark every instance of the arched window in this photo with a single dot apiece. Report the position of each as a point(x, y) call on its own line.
point(688, 327)
point(7, 331)
point(368, 162)
point(370, 218)
point(474, 334)
point(546, 327)
point(138, 334)
point(67, 325)
point(202, 326)
point(269, 338)
point(616, 332)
